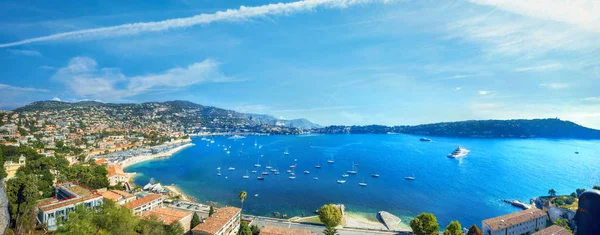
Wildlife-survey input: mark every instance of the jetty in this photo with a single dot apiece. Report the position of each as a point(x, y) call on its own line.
point(391, 221)
point(517, 203)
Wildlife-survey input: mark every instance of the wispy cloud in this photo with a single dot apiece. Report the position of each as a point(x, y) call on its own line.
point(584, 14)
point(240, 14)
point(484, 92)
point(458, 89)
point(554, 85)
point(539, 67)
point(25, 52)
point(83, 77)
point(21, 89)
point(56, 99)
point(591, 99)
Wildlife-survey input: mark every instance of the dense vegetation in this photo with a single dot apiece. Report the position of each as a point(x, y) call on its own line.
point(111, 218)
point(536, 128)
point(35, 181)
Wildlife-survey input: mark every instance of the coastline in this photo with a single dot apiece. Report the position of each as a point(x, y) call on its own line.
point(177, 192)
point(142, 158)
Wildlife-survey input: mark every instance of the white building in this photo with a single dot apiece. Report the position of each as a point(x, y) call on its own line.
point(518, 223)
point(68, 196)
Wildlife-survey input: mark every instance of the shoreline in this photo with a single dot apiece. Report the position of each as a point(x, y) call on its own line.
point(143, 158)
point(178, 192)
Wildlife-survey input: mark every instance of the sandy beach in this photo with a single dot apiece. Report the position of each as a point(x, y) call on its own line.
point(142, 158)
point(177, 192)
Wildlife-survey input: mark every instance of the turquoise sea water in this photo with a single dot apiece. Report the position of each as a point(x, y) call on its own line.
point(468, 190)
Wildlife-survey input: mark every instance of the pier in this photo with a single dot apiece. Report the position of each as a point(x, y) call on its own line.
point(391, 221)
point(517, 203)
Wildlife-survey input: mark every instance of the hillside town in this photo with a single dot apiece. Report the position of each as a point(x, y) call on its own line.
point(73, 158)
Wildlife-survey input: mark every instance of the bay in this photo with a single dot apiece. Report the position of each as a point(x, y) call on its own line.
point(468, 190)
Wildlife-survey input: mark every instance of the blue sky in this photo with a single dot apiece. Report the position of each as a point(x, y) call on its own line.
point(331, 61)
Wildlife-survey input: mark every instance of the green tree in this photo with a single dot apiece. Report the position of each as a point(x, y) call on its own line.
point(330, 231)
point(81, 221)
point(150, 226)
point(255, 230)
point(114, 219)
point(195, 221)
point(22, 192)
point(211, 211)
point(552, 193)
point(59, 144)
point(453, 228)
point(173, 229)
point(242, 197)
point(579, 191)
point(596, 187)
point(563, 223)
point(244, 229)
point(330, 215)
point(474, 230)
point(425, 224)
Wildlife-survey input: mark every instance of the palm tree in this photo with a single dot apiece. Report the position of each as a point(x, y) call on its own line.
point(242, 197)
point(552, 193)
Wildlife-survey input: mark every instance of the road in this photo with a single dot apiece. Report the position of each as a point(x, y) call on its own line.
point(316, 228)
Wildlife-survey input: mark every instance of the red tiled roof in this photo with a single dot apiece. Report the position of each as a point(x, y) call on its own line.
point(112, 196)
point(273, 230)
point(142, 201)
point(553, 230)
point(504, 221)
point(167, 215)
point(217, 220)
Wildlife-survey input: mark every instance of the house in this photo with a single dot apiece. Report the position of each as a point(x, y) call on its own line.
point(68, 196)
point(553, 230)
point(116, 175)
point(225, 221)
point(118, 196)
point(522, 222)
point(141, 205)
point(12, 167)
point(273, 230)
point(168, 216)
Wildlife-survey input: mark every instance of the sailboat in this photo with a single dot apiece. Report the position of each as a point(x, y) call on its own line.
point(375, 175)
point(318, 164)
point(307, 172)
point(260, 178)
point(231, 168)
point(269, 166)
point(286, 152)
point(363, 184)
point(276, 172)
point(410, 177)
point(345, 176)
point(255, 144)
point(246, 176)
point(577, 151)
point(331, 159)
point(342, 181)
point(354, 170)
point(254, 171)
point(219, 173)
point(265, 172)
point(257, 163)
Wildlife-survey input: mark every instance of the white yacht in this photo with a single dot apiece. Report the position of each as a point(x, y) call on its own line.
point(341, 181)
point(269, 166)
point(345, 176)
point(219, 173)
point(254, 171)
point(307, 172)
point(246, 176)
point(292, 177)
point(458, 152)
point(331, 160)
point(286, 153)
point(375, 175)
point(316, 178)
point(410, 177)
point(318, 166)
point(231, 168)
point(289, 171)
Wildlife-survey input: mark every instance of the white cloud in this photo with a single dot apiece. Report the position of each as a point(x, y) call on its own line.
point(83, 77)
point(21, 89)
point(591, 99)
point(555, 85)
point(523, 32)
point(584, 14)
point(240, 14)
point(458, 89)
point(484, 92)
point(56, 99)
point(24, 52)
point(539, 67)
